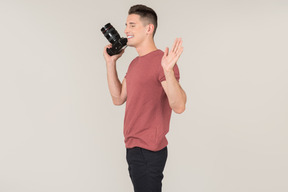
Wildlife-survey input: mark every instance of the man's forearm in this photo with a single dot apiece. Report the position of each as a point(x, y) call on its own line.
point(114, 83)
point(174, 92)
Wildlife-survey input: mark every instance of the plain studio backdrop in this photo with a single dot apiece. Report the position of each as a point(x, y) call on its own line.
point(60, 132)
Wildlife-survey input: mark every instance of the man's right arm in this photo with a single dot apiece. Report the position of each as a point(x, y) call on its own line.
point(117, 89)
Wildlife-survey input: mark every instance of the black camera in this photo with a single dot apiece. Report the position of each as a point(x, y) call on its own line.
point(114, 38)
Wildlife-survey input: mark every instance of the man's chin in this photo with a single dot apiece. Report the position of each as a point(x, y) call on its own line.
point(130, 44)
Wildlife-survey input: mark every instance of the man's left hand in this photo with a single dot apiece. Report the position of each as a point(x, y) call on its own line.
point(169, 59)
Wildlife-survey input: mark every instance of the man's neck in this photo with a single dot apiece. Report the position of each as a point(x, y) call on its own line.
point(146, 47)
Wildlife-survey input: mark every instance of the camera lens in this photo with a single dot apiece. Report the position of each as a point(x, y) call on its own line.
point(114, 38)
point(110, 33)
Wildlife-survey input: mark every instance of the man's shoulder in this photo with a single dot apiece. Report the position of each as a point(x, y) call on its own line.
point(157, 54)
point(154, 56)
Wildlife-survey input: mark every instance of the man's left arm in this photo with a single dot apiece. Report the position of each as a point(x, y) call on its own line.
point(176, 95)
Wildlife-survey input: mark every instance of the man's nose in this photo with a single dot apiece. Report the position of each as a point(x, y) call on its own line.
point(126, 30)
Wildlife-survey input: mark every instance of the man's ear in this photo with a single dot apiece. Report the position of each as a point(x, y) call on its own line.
point(150, 29)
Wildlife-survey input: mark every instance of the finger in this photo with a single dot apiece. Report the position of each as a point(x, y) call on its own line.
point(108, 46)
point(179, 53)
point(174, 45)
point(166, 52)
point(179, 45)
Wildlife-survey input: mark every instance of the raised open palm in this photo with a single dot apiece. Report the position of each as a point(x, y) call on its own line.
point(169, 59)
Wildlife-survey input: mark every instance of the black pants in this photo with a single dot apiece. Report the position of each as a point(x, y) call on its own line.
point(146, 168)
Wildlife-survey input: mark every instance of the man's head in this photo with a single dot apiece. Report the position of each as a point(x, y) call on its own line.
point(147, 15)
point(140, 26)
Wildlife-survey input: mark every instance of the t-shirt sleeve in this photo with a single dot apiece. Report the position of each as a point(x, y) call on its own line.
point(176, 73)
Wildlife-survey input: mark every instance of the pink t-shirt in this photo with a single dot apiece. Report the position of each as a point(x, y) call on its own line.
point(147, 114)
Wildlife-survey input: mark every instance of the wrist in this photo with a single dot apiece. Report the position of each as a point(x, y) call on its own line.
point(168, 71)
point(110, 63)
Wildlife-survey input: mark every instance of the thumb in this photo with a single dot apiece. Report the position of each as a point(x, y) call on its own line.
point(166, 52)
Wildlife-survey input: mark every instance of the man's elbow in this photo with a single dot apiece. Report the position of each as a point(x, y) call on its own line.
point(179, 109)
point(118, 102)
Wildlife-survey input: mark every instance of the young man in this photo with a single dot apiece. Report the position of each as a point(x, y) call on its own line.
point(151, 91)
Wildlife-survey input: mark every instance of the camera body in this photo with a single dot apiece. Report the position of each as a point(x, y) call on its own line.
point(114, 38)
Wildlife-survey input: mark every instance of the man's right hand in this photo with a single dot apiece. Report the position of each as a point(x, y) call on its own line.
point(113, 58)
point(117, 89)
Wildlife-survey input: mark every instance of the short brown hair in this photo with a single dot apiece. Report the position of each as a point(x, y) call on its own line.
point(145, 13)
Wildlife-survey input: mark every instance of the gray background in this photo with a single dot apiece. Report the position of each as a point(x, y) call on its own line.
point(60, 131)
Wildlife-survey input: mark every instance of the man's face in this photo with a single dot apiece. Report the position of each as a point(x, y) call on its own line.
point(135, 30)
